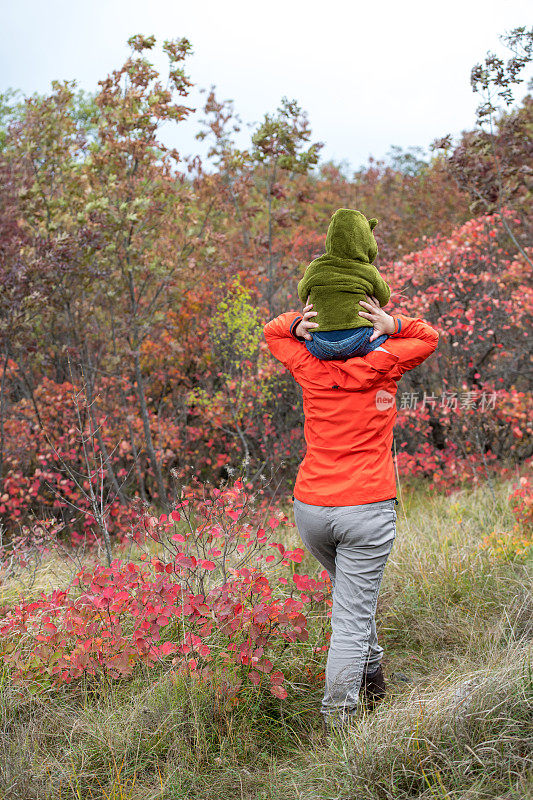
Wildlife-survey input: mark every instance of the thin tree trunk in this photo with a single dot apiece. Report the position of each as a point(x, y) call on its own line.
point(2, 406)
point(500, 195)
point(270, 271)
point(134, 452)
point(147, 432)
point(150, 449)
point(31, 396)
point(107, 461)
point(89, 384)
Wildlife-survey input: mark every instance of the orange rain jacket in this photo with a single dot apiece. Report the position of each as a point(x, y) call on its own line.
point(350, 410)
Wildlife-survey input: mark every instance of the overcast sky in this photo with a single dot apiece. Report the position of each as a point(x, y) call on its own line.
point(369, 74)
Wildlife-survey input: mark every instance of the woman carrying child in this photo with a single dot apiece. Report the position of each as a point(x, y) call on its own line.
point(345, 490)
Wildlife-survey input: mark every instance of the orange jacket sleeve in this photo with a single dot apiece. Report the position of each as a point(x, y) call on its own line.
point(413, 341)
point(281, 339)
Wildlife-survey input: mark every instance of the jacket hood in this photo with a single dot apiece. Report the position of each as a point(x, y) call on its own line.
point(346, 374)
point(350, 236)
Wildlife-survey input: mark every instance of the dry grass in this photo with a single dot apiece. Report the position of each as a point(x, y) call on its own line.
point(465, 736)
point(454, 617)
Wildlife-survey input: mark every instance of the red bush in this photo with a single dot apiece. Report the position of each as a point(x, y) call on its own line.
point(219, 591)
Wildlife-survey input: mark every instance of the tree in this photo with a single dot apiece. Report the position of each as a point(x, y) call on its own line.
point(493, 162)
point(278, 149)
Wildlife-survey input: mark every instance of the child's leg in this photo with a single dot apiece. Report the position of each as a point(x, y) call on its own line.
point(365, 346)
point(377, 342)
point(319, 348)
point(353, 345)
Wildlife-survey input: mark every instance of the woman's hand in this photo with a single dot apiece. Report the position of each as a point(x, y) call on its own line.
point(382, 322)
point(302, 329)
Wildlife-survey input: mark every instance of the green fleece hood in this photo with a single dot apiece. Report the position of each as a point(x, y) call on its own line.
point(338, 280)
point(350, 236)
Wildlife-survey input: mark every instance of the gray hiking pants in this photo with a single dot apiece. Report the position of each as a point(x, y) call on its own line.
point(353, 544)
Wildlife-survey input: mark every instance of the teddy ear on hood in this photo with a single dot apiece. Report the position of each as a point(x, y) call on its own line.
point(372, 222)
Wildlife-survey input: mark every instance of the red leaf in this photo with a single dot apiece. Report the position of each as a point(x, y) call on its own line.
point(167, 648)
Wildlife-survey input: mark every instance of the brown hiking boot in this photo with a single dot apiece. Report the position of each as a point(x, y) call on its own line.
point(373, 688)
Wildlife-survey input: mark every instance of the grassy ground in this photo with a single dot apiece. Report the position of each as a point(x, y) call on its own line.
point(453, 617)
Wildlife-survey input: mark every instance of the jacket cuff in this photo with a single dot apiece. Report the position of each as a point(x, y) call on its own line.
point(397, 326)
point(292, 328)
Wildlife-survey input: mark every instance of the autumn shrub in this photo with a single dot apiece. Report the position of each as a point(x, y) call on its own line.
point(60, 460)
point(516, 544)
point(484, 432)
point(27, 549)
point(212, 591)
point(229, 405)
point(474, 287)
point(467, 412)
